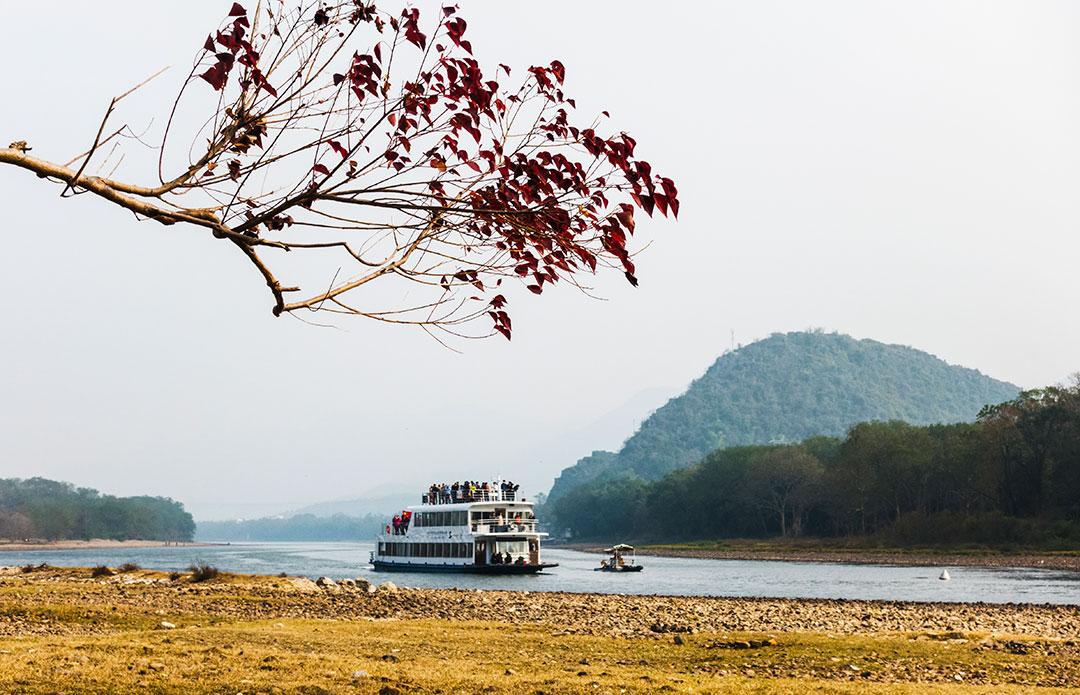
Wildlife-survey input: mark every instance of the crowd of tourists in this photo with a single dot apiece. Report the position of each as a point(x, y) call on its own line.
point(471, 491)
point(400, 523)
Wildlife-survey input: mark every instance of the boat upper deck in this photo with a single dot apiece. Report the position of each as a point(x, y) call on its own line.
point(469, 492)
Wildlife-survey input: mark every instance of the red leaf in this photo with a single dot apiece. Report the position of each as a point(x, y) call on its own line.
point(378, 52)
point(338, 148)
point(661, 203)
point(558, 71)
point(209, 45)
point(631, 278)
point(672, 195)
point(216, 76)
point(237, 10)
point(320, 169)
point(535, 289)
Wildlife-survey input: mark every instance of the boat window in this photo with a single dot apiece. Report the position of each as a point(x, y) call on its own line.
point(517, 548)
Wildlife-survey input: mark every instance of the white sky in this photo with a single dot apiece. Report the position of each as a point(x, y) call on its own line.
point(901, 171)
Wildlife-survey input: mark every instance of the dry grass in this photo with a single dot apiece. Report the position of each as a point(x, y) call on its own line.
point(117, 649)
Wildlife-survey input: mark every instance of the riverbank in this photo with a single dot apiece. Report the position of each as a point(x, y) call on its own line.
point(62, 629)
point(93, 544)
point(817, 551)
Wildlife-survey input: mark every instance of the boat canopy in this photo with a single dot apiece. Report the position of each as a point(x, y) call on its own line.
point(618, 548)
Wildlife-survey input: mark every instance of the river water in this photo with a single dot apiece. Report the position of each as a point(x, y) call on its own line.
point(673, 576)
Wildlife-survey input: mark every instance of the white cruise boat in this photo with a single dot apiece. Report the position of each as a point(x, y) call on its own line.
point(484, 528)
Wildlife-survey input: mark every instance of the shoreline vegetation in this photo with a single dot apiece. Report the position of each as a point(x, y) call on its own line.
point(65, 629)
point(812, 550)
point(94, 544)
point(39, 508)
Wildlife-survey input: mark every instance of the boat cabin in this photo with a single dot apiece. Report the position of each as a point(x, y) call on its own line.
point(487, 527)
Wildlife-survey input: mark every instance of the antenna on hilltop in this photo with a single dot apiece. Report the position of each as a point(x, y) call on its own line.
point(732, 338)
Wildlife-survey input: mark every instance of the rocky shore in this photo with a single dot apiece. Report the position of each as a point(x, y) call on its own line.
point(260, 598)
point(133, 630)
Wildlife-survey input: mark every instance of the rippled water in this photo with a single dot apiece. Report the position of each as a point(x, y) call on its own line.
point(676, 576)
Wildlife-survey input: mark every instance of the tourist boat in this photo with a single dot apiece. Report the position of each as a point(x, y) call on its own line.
point(617, 562)
point(486, 528)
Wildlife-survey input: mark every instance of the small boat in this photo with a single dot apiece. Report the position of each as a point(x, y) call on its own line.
point(945, 576)
point(617, 562)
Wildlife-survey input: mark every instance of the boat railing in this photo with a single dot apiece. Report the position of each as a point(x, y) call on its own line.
point(475, 496)
point(523, 527)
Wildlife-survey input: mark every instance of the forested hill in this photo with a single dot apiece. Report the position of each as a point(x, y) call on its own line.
point(46, 509)
point(787, 388)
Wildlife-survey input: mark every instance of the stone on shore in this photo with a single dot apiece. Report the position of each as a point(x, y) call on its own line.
point(326, 583)
point(303, 584)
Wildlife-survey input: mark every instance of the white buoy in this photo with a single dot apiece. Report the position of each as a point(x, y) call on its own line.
point(945, 576)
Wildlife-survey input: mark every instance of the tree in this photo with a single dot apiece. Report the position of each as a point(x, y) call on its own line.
point(15, 525)
point(784, 481)
point(341, 133)
point(1035, 436)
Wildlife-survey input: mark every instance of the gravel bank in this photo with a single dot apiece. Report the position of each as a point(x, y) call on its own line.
point(248, 597)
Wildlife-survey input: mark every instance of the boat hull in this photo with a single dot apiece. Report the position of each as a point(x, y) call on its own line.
point(628, 568)
point(381, 566)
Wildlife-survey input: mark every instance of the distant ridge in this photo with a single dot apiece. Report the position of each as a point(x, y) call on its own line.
point(786, 388)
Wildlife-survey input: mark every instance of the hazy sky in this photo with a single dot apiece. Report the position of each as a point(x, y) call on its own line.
point(907, 172)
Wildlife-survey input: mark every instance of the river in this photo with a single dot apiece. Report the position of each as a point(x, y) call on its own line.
point(673, 576)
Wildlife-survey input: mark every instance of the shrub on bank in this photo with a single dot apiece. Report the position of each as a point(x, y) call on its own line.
point(988, 528)
point(201, 572)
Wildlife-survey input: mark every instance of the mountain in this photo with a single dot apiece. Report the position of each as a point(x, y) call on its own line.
point(384, 500)
point(786, 388)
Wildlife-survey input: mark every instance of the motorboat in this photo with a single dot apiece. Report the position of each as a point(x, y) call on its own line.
point(618, 560)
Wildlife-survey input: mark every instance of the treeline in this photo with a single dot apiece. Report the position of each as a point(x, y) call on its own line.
point(1013, 476)
point(302, 527)
point(46, 509)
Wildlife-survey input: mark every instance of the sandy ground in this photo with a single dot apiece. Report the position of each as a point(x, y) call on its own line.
point(95, 543)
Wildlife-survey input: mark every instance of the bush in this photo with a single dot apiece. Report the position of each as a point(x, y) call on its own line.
point(26, 569)
point(128, 567)
point(101, 571)
point(173, 576)
point(992, 529)
point(201, 572)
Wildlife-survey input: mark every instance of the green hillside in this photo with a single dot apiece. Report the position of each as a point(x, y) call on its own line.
point(787, 388)
point(37, 508)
